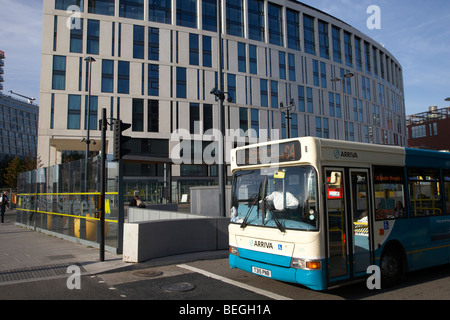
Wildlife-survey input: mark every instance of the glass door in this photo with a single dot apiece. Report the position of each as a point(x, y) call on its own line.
point(337, 225)
point(360, 220)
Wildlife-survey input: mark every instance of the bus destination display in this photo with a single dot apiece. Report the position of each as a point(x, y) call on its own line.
point(275, 153)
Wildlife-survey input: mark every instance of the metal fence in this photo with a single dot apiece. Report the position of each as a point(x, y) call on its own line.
point(60, 200)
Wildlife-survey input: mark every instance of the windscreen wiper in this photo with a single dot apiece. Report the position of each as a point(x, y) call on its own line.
point(278, 223)
point(244, 223)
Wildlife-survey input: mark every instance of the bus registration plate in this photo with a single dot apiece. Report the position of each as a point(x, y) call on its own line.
point(262, 272)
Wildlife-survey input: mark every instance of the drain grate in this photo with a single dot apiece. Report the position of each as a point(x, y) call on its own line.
point(147, 273)
point(36, 272)
point(178, 287)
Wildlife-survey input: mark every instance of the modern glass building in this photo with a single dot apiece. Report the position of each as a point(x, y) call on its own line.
point(156, 64)
point(18, 128)
point(2, 64)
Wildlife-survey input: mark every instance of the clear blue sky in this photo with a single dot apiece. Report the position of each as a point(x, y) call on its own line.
point(416, 32)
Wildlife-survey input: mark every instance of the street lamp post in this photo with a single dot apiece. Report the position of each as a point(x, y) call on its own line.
point(289, 109)
point(89, 60)
point(347, 75)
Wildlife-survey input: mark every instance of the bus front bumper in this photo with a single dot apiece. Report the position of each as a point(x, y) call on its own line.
point(313, 279)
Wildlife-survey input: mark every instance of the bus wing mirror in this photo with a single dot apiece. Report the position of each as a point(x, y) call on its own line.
point(335, 178)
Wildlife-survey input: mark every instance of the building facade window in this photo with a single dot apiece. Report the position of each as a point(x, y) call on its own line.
point(308, 30)
point(418, 131)
point(293, 29)
point(64, 4)
point(253, 59)
point(316, 72)
point(153, 80)
point(291, 58)
point(309, 100)
point(301, 99)
point(187, 13)
point(193, 49)
point(74, 112)
point(93, 114)
point(242, 57)
point(235, 18)
point(138, 41)
point(207, 51)
point(375, 61)
point(207, 117)
point(209, 15)
point(274, 94)
point(93, 36)
point(138, 115)
point(256, 28)
point(324, 40)
point(59, 73)
point(254, 121)
point(275, 25)
point(294, 125)
point(107, 75)
point(160, 11)
point(323, 75)
point(103, 7)
point(153, 44)
point(153, 116)
point(336, 35)
point(123, 77)
point(367, 57)
point(243, 120)
point(348, 49)
point(132, 9)
point(232, 85)
point(194, 118)
point(358, 57)
point(282, 64)
point(181, 82)
point(338, 105)
point(76, 39)
point(264, 93)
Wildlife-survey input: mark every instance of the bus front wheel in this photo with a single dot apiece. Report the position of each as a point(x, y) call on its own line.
point(391, 267)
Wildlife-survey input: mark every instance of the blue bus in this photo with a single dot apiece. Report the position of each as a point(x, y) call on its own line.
point(319, 212)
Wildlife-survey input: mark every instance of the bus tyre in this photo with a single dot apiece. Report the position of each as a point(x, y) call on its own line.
point(391, 267)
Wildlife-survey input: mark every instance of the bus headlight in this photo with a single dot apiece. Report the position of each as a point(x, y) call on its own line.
point(234, 250)
point(300, 263)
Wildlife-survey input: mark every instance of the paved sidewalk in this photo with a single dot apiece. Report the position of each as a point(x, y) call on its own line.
point(26, 254)
point(21, 248)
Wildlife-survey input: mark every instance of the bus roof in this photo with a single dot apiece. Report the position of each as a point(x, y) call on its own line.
point(427, 158)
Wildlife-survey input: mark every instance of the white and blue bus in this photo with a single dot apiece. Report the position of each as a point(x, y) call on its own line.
point(319, 212)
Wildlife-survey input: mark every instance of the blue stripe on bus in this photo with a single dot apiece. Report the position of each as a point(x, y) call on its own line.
point(282, 261)
point(313, 279)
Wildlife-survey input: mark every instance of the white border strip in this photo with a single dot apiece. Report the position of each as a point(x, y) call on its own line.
point(235, 283)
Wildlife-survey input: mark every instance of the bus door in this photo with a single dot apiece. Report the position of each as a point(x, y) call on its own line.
point(336, 218)
point(347, 213)
point(359, 199)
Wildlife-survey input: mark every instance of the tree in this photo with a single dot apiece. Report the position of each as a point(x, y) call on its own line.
point(12, 172)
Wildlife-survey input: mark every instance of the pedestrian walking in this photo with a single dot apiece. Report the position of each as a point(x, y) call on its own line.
point(4, 201)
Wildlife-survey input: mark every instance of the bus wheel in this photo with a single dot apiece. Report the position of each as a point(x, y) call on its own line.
point(391, 267)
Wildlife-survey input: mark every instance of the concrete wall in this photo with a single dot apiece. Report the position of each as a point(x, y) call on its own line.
point(204, 200)
point(155, 239)
point(136, 214)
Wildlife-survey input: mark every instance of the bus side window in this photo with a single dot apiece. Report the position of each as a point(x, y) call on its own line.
point(424, 192)
point(389, 193)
